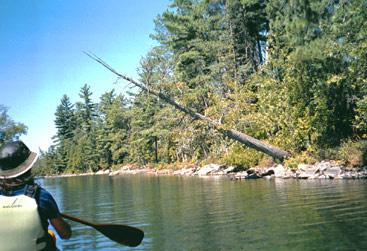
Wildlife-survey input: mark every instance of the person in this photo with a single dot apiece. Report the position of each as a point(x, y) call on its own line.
point(25, 207)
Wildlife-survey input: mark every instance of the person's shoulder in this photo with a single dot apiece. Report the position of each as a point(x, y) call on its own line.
point(43, 190)
point(47, 204)
point(44, 194)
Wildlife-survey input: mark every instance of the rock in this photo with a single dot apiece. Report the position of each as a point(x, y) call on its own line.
point(350, 175)
point(125, 168)
point(306, 171)
point(205, 170)
point(165, 172)
point(323, 176)
point(146, 171)
point(346, 176)
point(332, 172)
point(363, 174)
point(229, 169)
point(321, 170)
point(241, 175)
point(253, 176)
point(185, 171)
point(102, 172)
point(304, 167)
point(209, 169)
point(266, 173)
point(281, 172)
point(314, 176)
point(99, 172)
point(114, 173)
point(323, 165)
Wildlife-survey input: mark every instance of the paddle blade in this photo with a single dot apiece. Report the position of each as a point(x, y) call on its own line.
point(125, 235)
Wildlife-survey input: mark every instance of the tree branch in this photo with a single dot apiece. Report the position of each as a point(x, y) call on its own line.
point(231, 133)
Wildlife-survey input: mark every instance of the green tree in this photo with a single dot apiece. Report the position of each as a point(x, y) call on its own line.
point(86, 110)
point(113, 129)
point(45, 164)
point(310, 85)
point(65, 119)
point(215, 47)
point(9, 129)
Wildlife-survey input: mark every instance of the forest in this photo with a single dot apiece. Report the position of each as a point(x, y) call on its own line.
point(289, 73)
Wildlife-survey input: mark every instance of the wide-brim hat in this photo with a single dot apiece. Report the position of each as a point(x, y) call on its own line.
point(15, 159)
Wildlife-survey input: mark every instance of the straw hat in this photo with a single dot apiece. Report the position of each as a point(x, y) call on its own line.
point(15, 159)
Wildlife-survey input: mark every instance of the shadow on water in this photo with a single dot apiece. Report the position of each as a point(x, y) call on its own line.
point(191, 213)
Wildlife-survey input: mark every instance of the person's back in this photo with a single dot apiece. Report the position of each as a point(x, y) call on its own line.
point(21, 227)
point(25, 207)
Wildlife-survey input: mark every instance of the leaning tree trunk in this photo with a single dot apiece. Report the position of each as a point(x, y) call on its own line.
point(233, 134)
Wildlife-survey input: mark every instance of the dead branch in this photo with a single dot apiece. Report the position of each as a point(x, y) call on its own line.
point(230, 133)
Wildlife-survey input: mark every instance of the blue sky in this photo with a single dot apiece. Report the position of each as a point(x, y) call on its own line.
point(41, 54)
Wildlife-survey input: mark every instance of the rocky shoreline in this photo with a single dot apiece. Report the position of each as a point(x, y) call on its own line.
point(321, 170)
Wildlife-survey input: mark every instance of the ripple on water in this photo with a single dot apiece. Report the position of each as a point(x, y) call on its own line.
point(179, 213)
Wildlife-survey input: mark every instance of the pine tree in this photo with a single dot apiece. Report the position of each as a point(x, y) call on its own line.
point(113, 130)
point(65, 120)
point(86, 109)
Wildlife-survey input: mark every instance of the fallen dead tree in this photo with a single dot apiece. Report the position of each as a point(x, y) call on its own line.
point(230, 133)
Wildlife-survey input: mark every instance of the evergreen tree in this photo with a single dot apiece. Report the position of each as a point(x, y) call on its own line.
point(65, 120)
point(308, 83)
point(86, 110)
point(291, 73)
point(113, 131)
point(142, 141)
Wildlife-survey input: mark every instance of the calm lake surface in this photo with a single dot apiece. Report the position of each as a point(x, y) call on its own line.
point(192, 213)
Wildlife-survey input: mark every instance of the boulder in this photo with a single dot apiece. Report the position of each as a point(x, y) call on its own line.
point(184, 171)
point(114, 173)
point(102, 172)
point(333, 172)
point(363, 174)
point(281, 172)
point(165, 172)
point(145, 170)
point(125, 168)
point(305, 171)
point(205, 170)
point(323, 165)
point(229, 169)
point(210, 169)
point(241, 175)
point(323, 176)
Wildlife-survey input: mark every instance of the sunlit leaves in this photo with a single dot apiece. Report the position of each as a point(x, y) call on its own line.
point(9, 129)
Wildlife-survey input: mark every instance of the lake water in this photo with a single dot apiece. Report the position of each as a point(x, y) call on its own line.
point(192, 213)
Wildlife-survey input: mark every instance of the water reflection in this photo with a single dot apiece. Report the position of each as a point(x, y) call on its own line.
point(190, 213)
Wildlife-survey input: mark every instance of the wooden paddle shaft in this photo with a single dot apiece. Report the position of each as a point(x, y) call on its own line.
point(77, 220)
point(122, 234)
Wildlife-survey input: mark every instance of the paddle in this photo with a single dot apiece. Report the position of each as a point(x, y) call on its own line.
point(122, 234)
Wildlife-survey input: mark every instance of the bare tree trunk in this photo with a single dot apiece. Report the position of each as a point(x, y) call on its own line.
point(233, 134)
point(156, 148)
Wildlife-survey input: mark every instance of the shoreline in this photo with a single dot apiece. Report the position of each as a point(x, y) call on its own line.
point(321, 170)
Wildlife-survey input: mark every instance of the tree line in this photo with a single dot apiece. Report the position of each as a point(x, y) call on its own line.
point(289, 73)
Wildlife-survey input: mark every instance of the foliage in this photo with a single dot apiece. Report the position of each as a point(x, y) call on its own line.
point(9, 129)
point(289, 73)
point(303, 157)
point(352, 153)
point(242, 158)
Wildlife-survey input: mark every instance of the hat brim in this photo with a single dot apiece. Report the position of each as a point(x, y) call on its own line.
point(21, 169)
